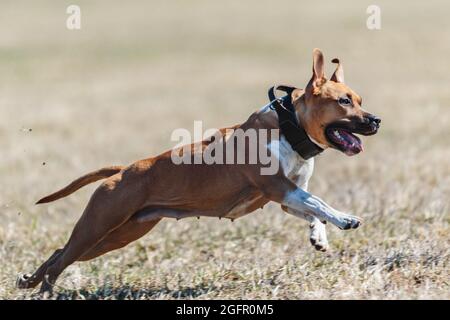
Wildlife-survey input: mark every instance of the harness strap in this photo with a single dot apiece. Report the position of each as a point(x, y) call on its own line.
point(290, 127)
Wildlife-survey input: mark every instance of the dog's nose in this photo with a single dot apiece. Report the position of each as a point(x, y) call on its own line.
point(377, 120)
point(373, 118)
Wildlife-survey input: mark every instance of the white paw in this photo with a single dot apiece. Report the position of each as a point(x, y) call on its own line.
point(347, 221)
point(318, 236)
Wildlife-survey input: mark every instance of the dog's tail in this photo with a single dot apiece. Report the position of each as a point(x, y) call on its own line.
point(81, 182)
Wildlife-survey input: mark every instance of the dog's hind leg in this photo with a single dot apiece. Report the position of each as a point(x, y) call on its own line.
point(27, 281)
point(137, 226)
point(98, 220)
point(116, 239)
point(111, 205)
point(120, 237)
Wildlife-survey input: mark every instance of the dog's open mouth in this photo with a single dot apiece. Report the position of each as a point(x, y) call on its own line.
point(341, 134)
point(344, 140)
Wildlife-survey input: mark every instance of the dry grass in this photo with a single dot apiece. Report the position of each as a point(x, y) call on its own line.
point(113, 92)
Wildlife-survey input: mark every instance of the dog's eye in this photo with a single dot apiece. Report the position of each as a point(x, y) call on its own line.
point(344, 101)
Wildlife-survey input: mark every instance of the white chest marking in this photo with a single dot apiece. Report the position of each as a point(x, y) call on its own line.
point(292, 164)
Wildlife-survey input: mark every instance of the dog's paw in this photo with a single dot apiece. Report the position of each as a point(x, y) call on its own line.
point(318, 236)
point(46, 290)
point(347, 222)
point(22, 281)
point(319, 244)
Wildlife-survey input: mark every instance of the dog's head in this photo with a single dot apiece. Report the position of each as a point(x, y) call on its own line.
point(331, 112)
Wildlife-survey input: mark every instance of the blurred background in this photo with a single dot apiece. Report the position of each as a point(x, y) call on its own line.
point(112, 92)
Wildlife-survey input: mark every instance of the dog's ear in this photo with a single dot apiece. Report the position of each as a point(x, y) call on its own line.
point(318, 77)
point(318, 69)
point(338, 75)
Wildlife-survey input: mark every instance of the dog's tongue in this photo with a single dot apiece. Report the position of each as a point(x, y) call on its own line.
point(351, 143)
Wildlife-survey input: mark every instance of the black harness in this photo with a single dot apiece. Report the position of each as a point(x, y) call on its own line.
point(290, 127)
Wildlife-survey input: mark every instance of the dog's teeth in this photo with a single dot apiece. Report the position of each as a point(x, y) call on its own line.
point(336, 134)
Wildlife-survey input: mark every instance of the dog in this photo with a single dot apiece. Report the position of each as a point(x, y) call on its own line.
point(134, 198)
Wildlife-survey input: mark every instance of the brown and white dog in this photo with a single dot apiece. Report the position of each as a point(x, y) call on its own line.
point(135, 198)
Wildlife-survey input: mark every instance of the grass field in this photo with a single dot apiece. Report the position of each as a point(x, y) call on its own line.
point(112, 92)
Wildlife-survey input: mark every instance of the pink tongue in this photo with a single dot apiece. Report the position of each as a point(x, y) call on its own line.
point(353, 145)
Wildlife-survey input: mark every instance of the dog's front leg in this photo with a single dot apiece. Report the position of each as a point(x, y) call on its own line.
point(285, 192)
point(300, 200)
point(318, 232)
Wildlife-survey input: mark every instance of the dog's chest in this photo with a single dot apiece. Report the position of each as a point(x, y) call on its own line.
point(293, 165)
point(297, 169)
